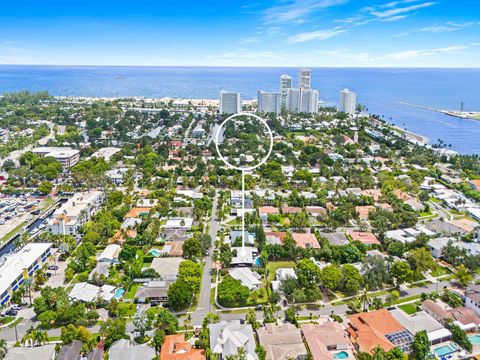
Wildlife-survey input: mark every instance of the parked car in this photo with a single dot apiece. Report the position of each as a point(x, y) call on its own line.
point(16, 307)
point(48, 274)
point(11, 312)
point(52, 267)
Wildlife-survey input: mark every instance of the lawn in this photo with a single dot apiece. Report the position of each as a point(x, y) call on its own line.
point(440, 270)
point(131, 293)
point(410, 308)
point(272, 267)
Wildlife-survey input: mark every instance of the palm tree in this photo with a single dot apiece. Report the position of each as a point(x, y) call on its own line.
point(3, 349)
point(28, 285)
point(40, 337)
point(365, 299)
point(187, 322)
point(28, 337)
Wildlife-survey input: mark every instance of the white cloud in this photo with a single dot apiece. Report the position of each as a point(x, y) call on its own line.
point(411, 54)
point(447, 27)
point(296, 11)
point(400, 10)
point(316, 35)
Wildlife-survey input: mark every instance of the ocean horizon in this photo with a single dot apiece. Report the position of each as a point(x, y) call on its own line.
point(381, 90)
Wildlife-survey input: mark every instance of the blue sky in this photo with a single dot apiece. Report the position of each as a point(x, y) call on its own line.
point(411, 33)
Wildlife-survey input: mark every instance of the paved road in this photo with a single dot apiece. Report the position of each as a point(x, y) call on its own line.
point(203, 306)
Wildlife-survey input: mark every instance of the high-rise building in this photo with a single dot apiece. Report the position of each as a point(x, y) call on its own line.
point(269, 102)
point(348, 101)
point(304, 79)
point(285, 84)
point(305, 101)
point(230, 102)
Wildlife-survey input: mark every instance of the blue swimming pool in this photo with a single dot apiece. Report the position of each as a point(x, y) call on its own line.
point(119, 293)
point(445, 350)
point(155, 252)
point(341, 355)
point(475, 339)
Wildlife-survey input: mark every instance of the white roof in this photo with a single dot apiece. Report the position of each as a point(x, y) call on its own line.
point(13, 265)
point(77, 203)
point(87, 292)
point(176, 223)
point(166, 266)
point(106, 152)
point(109, 253)
point(285, 273)
point(244, 255)
point(438, 334)
point(246, 276)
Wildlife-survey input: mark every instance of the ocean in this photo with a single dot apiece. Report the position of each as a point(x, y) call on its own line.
point(380, 90)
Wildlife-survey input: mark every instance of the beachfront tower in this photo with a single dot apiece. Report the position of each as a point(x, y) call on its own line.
point(285, 84)
point(230, 102)
point(304, 79)
point(348, 101)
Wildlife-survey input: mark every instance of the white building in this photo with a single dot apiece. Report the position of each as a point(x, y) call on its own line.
point(472, 298)
point(66, 156)
point(348, 101)
point(305, 79)
point(285, 84)
point(110, 254)
point(230, 102)
point(79, 209)
point(300, 100)
point(226, 338)
point(293, 100)
point(247, 277)
point(198, 131)
point(106, 153)
point(16, 267)
point(269, 102)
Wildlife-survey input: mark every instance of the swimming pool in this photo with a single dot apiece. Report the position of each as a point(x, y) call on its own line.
point(341, 355)
point(118, 293)
point(155, 252)
point(445, 350)
point(475, 339)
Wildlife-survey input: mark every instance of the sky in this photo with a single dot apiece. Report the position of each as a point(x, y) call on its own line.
point(315, 33)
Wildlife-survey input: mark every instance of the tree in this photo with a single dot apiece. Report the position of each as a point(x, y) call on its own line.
point(192, 249)
point(365, 299)
point(392, 297)
point(179, 295)
point(462, 275)
point(251, 318)
point(308, 273)
point(3, 349)
point(291, 315)
point(141, 322)
point(232, 292)
point(420, 260)
point(112, 330)
point(401, 272)
point(420, 346)
point(45, 187)
point(459, 336)
point(332, 277)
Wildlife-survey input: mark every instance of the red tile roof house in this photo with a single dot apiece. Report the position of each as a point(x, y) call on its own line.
point(325, 340)
point(366, 238)
point(264, 211)
point(378, 328)
point(363, 211)
point(475, 184)
point(306, 241)
point(291, 209)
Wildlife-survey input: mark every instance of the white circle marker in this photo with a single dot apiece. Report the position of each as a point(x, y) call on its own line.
point(241, 168)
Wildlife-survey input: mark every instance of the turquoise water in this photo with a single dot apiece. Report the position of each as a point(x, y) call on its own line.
point(341, 355)
point(155, 252)
point(118, 293)
point(475, 339)
point(445, 350)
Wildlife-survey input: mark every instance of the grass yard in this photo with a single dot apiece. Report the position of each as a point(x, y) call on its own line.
point(130, 295)
point(410, 308)
point(272, 267)
point(440, 270)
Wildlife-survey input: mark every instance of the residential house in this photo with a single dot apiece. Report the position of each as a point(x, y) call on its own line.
point(264, 211)
point(335, 238)
point(227, 337)
point(45, 352)
point(326, 340)
point(366, 238)
point(472, 298)
point(124, 350)
point(153, 292)
point(247, 277)
point(306, 241)
point(176, 348)
point(281, 342)
point(465, 318)
point(167, 267)
point(110, 254)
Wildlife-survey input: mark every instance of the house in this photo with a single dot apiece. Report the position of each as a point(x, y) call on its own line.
point(110, 254)
point(123, 350)
point(472, 298)
point(243, 256)
point(227, 337)
point(137, 212)
point(264, 211)
point(275, 237)
point(464, 317)
point(437, 245)
point(247, 277)
point(106, 153)
point(71, 351)
point(176, 348)
point(167, 267)
point(475, 184)
point(306, 241)
point(364, 211)
point(421, 320)
point(281, 342)
point(179, 223)
point(281, 275)
point(291, 209)
point(237, 234)
point(378, 328)
point(86, 292)
point(366, 238)
point(336, 238)
point(175, 235)
point(147, 203)
point(153, 292)
point(325, 340)
point(45, 352)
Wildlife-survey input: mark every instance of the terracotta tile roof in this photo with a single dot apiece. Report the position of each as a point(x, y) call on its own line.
point(374, 193)
point(175, 348)
point(268, 210)
point(306, 240)
point(363, 211)
point(137, 211)
point(281, 342)
point(476, 184)
point(366, 238)
point(368, 330)
point(402, 195)
point(320, 338)
point(176, 248)
point(291, 209)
